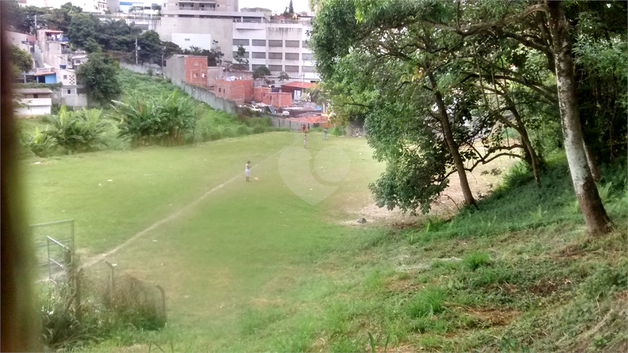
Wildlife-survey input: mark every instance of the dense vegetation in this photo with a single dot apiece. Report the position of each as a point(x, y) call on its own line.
point(151, 111)
point(440, 84)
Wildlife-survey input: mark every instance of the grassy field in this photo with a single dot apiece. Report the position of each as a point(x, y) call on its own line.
point(255, 267)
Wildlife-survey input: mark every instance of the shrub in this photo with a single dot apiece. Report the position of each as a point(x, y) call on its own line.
point(39, 144)
point(76, 131)
point(164, 121)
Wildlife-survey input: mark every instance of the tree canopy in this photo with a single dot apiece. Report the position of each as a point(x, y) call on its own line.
point(437, 80)
point(99, 76)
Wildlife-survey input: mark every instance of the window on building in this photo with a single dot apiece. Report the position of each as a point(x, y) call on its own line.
point(275, 43)
point(195, 75)
point(69, 91)
point(246, 54)
point(292, 44)
point(292, 68)
point(259, 42)
point(35, 95)
point(256, 66)
point(259, 55)
point(187, 39)
point(292, 56)
point(307, 56)
point(240, 42)
point(304, 44)
point(274, 67)
point(275, 56)
point(308, 68)
point(219, 90)
point(65, 77)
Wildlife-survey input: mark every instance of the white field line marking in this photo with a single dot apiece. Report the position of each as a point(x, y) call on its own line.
point(97, 258)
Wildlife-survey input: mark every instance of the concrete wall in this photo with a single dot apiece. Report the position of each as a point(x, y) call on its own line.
point(34, 106)
point(203, 95)
point(141, 69)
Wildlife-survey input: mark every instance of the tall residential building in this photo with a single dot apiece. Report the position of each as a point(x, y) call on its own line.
point(279, 44)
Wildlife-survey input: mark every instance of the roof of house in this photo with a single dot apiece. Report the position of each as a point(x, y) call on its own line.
point(298, 84)
point(44, 73)
point(32, 90)
point(316, 119)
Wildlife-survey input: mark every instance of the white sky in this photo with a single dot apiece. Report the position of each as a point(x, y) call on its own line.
point(277, 6)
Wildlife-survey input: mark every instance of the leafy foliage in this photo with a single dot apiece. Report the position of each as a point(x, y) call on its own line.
point(78, 131)
point(21, 60)
point(100, 78)
point(83, 32)
point(164, 121)
point(261, 72)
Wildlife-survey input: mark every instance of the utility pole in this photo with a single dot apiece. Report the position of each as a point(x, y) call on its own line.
point(35, 24)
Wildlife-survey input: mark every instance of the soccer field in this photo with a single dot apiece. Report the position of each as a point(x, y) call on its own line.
point(230, 254)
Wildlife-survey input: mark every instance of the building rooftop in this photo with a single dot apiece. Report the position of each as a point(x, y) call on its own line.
point(32, 90)
point(298, 84)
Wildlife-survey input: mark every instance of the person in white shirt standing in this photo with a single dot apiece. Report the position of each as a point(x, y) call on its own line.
point(247, 170)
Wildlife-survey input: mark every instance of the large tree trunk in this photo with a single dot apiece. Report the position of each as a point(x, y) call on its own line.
point(451, 143)
point(590, 203)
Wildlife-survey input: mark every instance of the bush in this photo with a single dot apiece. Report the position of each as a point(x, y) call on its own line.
point(78, 131)
point(39, 144)
point(162, 121)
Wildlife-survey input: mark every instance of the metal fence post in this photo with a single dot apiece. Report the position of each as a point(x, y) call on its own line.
point(163, 301)
point(111, 281)
point(49, 270)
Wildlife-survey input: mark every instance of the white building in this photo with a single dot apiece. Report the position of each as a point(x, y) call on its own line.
point(33, 101)
point(280, 45)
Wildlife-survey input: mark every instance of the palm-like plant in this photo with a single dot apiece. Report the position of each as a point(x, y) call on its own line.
point(164, 121)
point(76, 131)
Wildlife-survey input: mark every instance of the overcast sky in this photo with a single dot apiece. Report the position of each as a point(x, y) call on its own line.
point(276, 5)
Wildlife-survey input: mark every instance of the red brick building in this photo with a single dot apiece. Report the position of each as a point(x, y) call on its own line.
point(239, 91)
point(187, 68)
point(276, 99)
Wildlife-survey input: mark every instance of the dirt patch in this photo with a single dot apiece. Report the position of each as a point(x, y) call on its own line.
point(403, 285)
point(547, 287)
point(402, 348)
point(482, 182)
point(496, 317)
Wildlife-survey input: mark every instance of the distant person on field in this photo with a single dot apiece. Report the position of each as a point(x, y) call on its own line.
point(303, 127)
point(325, 134)
point(305, 141)
point(247, 170)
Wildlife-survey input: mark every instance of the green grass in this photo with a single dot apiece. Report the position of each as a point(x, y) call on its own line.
point(252, 267)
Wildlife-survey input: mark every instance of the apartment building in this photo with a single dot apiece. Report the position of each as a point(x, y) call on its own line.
point(279, 44)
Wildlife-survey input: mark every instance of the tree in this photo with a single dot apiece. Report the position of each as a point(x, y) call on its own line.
point(283, 76)
point(590, 203)
point(240, 58)
point(21, 60)
point(117, 35)
point(150, 46)
point(61, 18)
point(261, 72)
point(23, 18)
point(416, 56)
point(99, 76)
point(83, 32)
